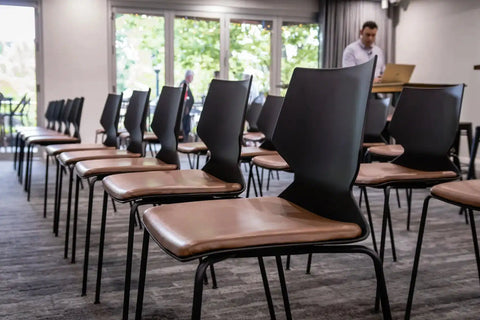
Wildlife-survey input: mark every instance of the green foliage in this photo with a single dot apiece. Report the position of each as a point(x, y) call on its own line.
point(300, 44)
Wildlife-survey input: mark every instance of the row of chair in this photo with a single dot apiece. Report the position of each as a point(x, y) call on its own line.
point(316, 213)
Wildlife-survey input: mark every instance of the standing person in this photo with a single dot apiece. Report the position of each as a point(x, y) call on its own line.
point(188, 104)
point(364, 49)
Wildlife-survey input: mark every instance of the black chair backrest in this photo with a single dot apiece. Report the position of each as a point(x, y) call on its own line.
point(375, 119)
point(135, 118)
point(57, 114)
point(21, 105)
point(49, 114)
point(64, 117)
point(267, 121)
point(425, 123)
point(166, 122)
point(221, 127)
point(110, 117)
point(76, 116)
point(253, 114)
point(319, 133)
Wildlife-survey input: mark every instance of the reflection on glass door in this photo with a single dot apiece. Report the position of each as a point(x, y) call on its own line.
point(17, 68)
point(250, 53)
point(196, 48)
point(300, 48)
point(140, 53)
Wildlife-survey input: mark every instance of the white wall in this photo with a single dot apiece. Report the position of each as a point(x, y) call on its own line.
point(441, 38)
point(75, 56)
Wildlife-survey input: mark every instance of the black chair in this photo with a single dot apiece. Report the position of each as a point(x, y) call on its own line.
point(464, 194)
point(165, 124)
point(425, 124)
point(108, 120)
point(134, 119)
point(375, 120)
point(316, 213)
point(220, 127)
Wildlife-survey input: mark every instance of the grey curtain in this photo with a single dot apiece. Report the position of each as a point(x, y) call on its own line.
point(343, 21)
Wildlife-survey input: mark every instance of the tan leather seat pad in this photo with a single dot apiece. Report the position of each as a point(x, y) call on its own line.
point(52, 139)
point(384, 172)
point(90, 168)
point(389, 150)
point(275, 162)
point(463, 192)
point(248, 152)
point(99, 131)
point(55, 149)
point(192, 228)
point(150, 136)
point(133, 185)
point(253, 136)
point(373, 144)
point(41, 133)
point(70, 157)
point(191, 147)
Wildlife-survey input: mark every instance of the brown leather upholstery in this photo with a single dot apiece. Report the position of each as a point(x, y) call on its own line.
point(192, 228)
point(274, 162)
point(378, 173)
point(389, 150)
point(55, 149)
point(52, 139)
point(249, 152)
point(131, 185)
point(100, 131)
point(253, 136)
point(70, 157)
point(462, 192)
point(100, 167)
point(150, 136)
point(191, 147)
point(373, 144)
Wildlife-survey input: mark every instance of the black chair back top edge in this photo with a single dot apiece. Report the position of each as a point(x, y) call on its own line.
point(319, 133)
point(135, 118)
point(221, 127)
point(166, 122)
point(267, 121)
point(76, 116)
point(110, 118)
point(425, 123)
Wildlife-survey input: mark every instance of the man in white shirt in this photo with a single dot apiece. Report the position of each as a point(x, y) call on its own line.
point(364, 49)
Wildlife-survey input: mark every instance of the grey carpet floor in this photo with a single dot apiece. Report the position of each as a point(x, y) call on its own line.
point(37, 283)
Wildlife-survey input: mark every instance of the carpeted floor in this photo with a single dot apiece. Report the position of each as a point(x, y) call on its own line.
point(37, 283)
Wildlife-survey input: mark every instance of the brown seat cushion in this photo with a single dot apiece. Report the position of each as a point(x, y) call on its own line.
point(249, 152)
point(389, 150)
point(52, 139)
point(379, 173)
point(99, 167)
point(192, 228)
point(100, 131)
point(71, 157)
point(462, 192)
point(55, 149)
point(373, 144)
point(274, 162)
point(192, 147)
point(253, 136)
point(133, 185)
point(150, 136)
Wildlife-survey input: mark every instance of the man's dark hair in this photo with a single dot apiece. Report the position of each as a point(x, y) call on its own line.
point(370, 24)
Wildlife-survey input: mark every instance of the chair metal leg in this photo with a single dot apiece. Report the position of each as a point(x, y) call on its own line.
point(369, 216)
point(91, 184)
point(399, 204)
point(198, 290)
point(475, 240)
point(56, 220)
point(75, 220)
point(386, 193)
point(309, 263)
point(128, 272)
point(189, 161)
point(214, 278)
point(114, 206)
point(142, 276)
point(392, 239)
point(69, 211)
point(266, 287)
point(27, 163)
point(408, 191)
point(416, 261)
point(250, 180)
point(283, 285)
point(55, 204)
point(45, 193)
point(259, 182)
point(29, 185)
point(287, 264)
point(100, 247)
